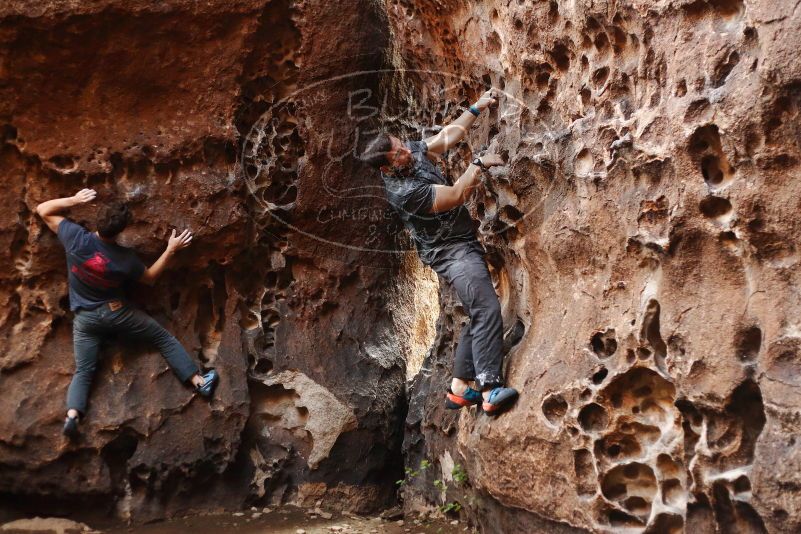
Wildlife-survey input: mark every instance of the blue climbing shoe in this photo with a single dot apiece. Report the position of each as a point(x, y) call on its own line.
point(455, 402)
point(499, 399)
point(210, 380)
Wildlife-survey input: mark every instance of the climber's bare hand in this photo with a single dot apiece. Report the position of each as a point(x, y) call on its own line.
point(492, 160)
point(487, 99)
point(84, 195)
point(177, 242)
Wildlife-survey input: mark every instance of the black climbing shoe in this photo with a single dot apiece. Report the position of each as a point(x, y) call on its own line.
point(71, 427)
point(210, 380)
point(499, 400)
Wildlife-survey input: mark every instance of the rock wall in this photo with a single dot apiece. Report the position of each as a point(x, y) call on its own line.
point(642, 238)
point(644, 241)
point(210, 116)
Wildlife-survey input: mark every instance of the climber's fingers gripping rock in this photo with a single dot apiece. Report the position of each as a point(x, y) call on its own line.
point(489, 98)
point(492, 160)
point(85, 195)
point(177, 242)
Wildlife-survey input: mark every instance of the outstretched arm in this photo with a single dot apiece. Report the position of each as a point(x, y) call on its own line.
point(174, 244)
point(455, 131)
point(447, 197)
point(50, 211)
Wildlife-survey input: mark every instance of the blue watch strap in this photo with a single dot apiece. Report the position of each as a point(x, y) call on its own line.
point(474, 110)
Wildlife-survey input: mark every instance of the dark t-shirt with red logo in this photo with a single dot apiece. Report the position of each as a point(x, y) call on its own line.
point(97, 270)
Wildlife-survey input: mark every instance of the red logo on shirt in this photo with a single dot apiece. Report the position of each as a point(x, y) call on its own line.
point(93, 272)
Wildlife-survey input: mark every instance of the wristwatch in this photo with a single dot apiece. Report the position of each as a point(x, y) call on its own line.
point(477, 162)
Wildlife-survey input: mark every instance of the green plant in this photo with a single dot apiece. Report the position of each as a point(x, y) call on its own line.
point(459, 474)
point(453, 507)
point(440, 485)
point(411, 473)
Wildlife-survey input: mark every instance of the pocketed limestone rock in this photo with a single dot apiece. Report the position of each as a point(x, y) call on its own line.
point(645, 235)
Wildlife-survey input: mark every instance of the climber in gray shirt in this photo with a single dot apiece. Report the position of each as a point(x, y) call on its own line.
point(97, 270)
point(433, 211)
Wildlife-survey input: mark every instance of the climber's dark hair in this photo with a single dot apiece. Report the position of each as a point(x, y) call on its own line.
point(375, 155)
point(112, 219)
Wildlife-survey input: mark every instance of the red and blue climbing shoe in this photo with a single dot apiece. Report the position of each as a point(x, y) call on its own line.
point(499, 400)
point(455, 402)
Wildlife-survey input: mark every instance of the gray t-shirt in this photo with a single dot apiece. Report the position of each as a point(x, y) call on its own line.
point(411, 192)
point(97, 270)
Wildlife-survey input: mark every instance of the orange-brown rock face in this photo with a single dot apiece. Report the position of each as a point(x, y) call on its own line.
point(645, 238)
point(184, 109)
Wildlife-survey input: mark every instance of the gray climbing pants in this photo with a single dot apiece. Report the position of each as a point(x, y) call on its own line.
point(479, 354)
point(90, 327)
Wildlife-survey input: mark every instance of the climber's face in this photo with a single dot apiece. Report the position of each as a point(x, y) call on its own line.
point(399, 156)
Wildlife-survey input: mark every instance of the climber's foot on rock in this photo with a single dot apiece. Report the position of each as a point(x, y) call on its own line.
point(71, 427)
point(469, 398)
point(499, 400)
point(210, 379)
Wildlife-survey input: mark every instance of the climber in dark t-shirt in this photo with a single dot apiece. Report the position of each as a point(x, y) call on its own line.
point(97, 270)
point(413, 199)
point(433, 211)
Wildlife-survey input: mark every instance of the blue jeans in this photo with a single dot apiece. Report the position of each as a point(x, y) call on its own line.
point(91, 326)
point(479, 353)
